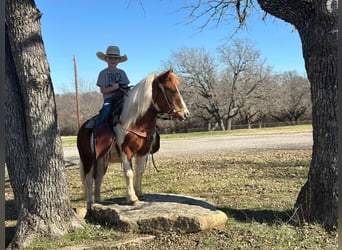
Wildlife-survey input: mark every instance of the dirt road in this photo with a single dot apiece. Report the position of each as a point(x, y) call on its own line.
point(218, 144)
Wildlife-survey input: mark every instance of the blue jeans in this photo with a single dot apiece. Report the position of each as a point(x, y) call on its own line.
point(104, 112)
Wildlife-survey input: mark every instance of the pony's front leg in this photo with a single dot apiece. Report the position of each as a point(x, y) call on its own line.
point(138, 173)
point(128, 174)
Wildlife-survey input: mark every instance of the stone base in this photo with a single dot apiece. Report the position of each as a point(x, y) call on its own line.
point(159, 213)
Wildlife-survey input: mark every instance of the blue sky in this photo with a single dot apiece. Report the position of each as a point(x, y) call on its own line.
point(147, 35)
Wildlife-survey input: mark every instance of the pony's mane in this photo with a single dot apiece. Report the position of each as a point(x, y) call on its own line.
point(138, 101)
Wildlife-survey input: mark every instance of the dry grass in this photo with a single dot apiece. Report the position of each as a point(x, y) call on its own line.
point(256, 190)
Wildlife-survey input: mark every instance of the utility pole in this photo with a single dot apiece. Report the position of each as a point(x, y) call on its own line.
point(77, 97)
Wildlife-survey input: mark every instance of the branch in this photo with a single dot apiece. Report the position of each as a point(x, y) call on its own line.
point(291, 11)
point(218, 11)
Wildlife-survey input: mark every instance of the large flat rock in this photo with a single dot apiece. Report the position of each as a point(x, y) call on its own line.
point(159, 213)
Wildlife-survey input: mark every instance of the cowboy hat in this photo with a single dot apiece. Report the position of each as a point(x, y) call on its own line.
point(112, 51)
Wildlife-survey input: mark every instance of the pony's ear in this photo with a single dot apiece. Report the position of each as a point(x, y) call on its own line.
point(163, 76)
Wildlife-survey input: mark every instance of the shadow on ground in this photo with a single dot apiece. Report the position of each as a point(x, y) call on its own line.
point(261, 216)
point(11, 214)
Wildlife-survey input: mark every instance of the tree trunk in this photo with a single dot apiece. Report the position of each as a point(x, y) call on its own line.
point(316, 22)
point(318, 199)
point(222, 125)
point(34, 155)
point(229, 124)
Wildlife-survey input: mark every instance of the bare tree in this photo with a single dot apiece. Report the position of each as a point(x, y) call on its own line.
point(257, 105)
point(90, 104)
point(67, 114)
point(34, 154)
point(316, 23)
point(292, 98)
point(221, 99)
point(244, 74)
point(199, 71)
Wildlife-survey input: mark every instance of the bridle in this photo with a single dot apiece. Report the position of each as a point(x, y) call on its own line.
point(171, 107)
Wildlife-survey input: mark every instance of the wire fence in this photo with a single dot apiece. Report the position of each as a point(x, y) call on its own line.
point(252, 126)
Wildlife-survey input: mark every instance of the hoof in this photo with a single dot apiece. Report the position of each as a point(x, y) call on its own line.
point(134, 203)
point(141, 198)
point(89, 215)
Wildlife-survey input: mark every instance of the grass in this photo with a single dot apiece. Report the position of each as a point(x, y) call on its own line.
point(240, 132)
point(70, 141)
point(256, 190)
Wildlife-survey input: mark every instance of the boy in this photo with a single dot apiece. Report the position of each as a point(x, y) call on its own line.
point(110, 80)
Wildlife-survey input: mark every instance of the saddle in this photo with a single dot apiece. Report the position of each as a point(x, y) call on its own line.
point(104, 136)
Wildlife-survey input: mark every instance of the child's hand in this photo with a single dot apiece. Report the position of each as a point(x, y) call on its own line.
point(115, 85)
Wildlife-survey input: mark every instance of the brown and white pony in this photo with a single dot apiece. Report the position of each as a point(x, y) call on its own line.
point(134, 134)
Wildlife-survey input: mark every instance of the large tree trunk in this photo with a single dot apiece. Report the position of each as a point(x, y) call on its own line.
point(316, 22)
point(34, 155)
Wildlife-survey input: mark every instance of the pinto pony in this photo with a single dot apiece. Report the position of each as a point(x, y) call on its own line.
point(134, 133)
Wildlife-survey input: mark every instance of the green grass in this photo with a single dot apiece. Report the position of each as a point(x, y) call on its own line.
point(256, 190)
point(237, 132)
point(69, 141)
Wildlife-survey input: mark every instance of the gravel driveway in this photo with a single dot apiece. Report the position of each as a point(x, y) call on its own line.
point(218, 144)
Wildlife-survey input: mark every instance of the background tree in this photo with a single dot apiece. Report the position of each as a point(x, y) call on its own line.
point(292, 100)
point(221, 98)
point(67, 113)
point(34, 154)
point(198, 69)
point(258, 103)
point(244, 75)
point(316, 23)
point(90, 104)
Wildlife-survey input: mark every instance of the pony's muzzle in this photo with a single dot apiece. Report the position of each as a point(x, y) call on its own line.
point(181, 114)
point(186, 113)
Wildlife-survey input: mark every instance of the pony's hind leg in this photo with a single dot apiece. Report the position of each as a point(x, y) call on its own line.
point(88, 186)
point(101, 170)
point(138, 173)
point(87, 181)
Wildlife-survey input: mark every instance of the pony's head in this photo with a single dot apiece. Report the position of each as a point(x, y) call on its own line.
point(166, 97)
point(159, 92)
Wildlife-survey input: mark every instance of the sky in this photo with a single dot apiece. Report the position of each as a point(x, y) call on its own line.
point(148, 32)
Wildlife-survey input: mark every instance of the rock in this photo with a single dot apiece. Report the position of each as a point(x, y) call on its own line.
point(81, 211)
point(159, 213)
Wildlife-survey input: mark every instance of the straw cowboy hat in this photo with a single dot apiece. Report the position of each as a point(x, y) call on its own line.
point(112, 51)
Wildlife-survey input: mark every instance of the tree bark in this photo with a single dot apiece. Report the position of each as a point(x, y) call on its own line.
point(34, 155)
point(316, 22)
